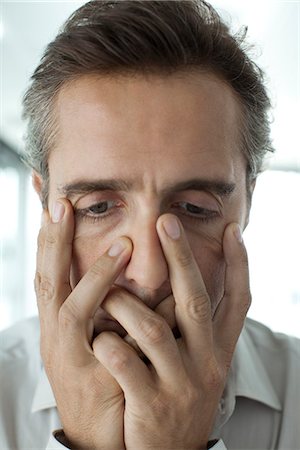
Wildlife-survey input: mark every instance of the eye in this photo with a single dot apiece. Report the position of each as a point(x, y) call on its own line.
point(196, 212)
point(98, 211)
point(100, 208)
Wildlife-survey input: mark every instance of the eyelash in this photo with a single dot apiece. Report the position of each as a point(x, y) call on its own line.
point(207, 214)
point(84, 214)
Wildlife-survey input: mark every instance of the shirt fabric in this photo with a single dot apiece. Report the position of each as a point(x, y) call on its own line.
point(260, 407)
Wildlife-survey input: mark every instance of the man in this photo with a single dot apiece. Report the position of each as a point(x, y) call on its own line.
point(147, 128)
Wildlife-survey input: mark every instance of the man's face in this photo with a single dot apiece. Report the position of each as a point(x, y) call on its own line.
point(130, 149)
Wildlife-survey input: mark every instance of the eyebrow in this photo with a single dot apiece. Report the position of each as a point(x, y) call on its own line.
point(71, 190)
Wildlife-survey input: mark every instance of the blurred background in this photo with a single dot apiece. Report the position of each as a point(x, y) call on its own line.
point(273, 236)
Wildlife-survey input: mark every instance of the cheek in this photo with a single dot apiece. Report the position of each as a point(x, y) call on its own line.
point(210, 259)
point(213, 272)
point(86, 250)
point(90, 242)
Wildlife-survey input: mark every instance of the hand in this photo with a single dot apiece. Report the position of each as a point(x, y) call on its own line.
point(172, 402)
point(89, 400)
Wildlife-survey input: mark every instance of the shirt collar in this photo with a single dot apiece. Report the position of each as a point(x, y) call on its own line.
point(43, 397)
point(248, 375)
point(247, 378)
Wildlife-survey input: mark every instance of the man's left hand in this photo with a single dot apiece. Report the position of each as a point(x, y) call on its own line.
point(171, 403)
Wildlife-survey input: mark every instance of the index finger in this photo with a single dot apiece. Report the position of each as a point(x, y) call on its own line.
point(52, 281)
point(193, 308)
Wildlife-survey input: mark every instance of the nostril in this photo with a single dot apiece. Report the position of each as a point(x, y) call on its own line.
point(148, 273)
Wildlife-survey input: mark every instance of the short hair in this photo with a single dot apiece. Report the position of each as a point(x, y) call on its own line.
point(146, 37)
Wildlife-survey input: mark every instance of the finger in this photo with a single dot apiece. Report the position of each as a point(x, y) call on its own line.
point(77, 312)
point(123, 363)
point(230, 315)
point(54, 263)
point(40, 248)
point(151, 332)
point(193, 308)
point(52, 275)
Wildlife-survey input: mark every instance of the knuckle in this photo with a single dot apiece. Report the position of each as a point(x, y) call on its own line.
point(119, 361)
point(184, 258)
point(50, 238)
point(98, 270)
point(45, 289)
point(68, 315)
point(153, 330)
point(197, 307)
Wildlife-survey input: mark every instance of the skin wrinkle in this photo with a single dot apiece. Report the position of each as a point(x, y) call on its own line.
point(71, 190)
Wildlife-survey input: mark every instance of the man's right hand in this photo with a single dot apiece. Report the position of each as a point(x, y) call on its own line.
point(89, 400)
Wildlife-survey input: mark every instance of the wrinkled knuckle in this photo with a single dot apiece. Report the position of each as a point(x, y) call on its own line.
point(153, 330)
point(184, 258)
point(119, 361)
point(68, 315)
point(50, 239)
point(197, 307)
point(45, 288)
point(97, 271)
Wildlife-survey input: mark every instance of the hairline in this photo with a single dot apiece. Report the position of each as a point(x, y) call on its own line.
point(52, 126)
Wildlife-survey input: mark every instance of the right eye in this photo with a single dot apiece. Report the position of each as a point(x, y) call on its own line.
point(98, 211)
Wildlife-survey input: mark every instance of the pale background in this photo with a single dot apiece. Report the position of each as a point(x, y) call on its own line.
point(273, 236)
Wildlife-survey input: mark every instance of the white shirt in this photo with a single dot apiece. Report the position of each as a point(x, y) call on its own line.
point(260, 408)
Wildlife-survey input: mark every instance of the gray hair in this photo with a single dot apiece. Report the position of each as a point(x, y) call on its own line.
point(144, 37)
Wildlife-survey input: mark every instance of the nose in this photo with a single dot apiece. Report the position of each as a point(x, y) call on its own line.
point(147, 267)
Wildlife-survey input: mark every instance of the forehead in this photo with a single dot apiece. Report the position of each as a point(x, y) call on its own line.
point(146, 128)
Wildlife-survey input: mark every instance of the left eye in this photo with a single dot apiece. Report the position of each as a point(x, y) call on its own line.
point(197, 210)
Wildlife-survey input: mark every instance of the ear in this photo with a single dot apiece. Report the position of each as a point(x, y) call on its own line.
point(37, 183)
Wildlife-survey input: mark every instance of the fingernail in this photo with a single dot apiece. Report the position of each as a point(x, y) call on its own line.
point(238, 233)
point(116, 249)
point(171, 227)
point(58, 212)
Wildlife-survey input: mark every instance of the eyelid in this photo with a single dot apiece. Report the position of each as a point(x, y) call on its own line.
point(204, 208)
point(202, 199)
point(88, 216)
point(93, 198)
point(109, 202)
